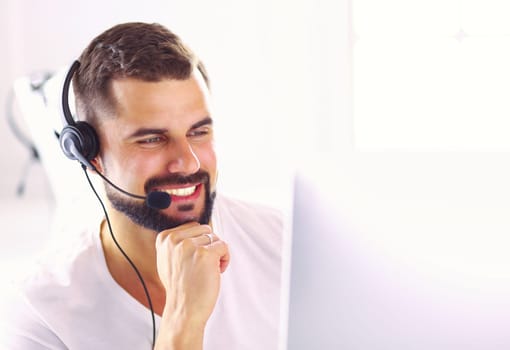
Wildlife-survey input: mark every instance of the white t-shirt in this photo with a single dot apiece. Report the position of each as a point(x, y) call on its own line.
point(71, 301)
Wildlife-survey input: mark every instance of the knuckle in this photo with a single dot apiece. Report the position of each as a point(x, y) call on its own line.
point(174, 239)
point(187, 244)
point(202, 252)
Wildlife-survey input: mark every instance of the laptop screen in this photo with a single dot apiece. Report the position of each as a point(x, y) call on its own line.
point(373, 271)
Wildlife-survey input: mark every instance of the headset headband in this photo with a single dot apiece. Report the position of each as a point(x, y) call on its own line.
point(68, 117)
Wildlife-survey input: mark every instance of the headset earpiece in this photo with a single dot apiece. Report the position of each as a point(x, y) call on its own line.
point(78, 140)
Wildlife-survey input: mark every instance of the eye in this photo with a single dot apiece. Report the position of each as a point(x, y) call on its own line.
point(199, 132)
point(152, 140)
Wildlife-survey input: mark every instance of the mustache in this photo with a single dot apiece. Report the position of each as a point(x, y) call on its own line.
point(176, 179)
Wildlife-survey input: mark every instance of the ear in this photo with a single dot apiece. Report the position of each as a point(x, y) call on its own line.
point(96, 162)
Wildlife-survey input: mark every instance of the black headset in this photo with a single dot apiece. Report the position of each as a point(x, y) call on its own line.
point(78, 139)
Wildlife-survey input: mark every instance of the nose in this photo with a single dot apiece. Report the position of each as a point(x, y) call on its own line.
point(183, 159)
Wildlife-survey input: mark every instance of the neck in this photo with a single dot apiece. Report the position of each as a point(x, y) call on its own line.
point(139, 245)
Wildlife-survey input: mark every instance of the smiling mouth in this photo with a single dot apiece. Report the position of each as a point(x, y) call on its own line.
point(180, 192)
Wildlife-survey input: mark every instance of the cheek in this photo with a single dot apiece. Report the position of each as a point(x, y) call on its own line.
point(207, 159)
point(134, 169)
point(143, 166)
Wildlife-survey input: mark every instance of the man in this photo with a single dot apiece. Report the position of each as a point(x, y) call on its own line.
point(146, 96)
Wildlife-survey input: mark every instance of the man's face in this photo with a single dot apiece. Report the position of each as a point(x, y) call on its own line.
point(161, 139)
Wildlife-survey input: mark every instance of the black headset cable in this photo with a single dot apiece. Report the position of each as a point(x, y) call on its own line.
point(138, 274)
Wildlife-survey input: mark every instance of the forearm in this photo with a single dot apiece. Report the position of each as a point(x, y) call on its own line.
point(179, 342)
point(177, 333)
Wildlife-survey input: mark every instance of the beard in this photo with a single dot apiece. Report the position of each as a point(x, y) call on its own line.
point(153, 219)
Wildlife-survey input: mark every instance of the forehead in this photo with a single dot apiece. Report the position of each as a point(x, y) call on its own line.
point(137, 100)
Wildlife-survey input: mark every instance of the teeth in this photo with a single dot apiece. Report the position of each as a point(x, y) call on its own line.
point(186, 191)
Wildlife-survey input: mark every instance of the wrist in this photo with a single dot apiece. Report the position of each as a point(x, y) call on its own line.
point(178, 332)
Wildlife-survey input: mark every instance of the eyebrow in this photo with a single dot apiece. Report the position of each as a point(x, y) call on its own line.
point(205, 121)
point(159, 131)
point(147, 131)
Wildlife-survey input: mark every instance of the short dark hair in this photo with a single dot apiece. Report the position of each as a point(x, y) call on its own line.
point(144, 51)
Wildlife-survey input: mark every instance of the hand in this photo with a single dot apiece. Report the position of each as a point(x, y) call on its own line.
point(189, 268)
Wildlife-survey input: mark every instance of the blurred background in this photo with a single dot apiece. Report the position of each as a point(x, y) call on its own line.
point(407, 100)
point(273, 92)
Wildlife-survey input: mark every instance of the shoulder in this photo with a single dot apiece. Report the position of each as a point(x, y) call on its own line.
point(61, 265)
point(57, 278)
point(21, 326)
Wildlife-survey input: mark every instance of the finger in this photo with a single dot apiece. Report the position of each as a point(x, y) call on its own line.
point(182, 232)
point(164, 234)
point(205, 239)
point(220, 248)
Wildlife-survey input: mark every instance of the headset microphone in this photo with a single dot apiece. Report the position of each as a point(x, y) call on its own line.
point(78, 140)
point(155, 199)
